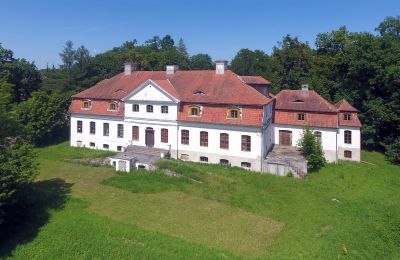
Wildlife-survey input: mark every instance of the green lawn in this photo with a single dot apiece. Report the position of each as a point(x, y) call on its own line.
point(349, 210)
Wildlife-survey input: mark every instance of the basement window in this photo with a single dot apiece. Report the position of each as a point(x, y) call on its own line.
point(184, 156)
point(245, 164)
point(203, 159)
point(119, 148)
point(91, 144)
point(106, 146)
point(347, 154)
point(224, 162)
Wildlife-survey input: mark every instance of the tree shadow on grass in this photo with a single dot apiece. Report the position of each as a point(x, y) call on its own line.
point(27, 219)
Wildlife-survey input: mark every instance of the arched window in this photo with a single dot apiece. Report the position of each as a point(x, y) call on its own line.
point(347, 137)
point(194, 111)
point(149, 109)
point(113, 106)
point(234, 113)
point(87, 104)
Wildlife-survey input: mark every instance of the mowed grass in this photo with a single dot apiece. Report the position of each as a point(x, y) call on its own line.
point(349, 210)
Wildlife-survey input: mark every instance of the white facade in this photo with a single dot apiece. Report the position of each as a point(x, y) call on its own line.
point(332, 140)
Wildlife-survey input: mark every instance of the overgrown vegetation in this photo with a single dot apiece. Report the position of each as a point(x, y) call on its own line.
point(233, 213)
point(311, 150)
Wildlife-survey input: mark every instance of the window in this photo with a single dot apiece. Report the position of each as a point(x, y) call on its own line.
point(184, 156)
point(185, 137)
point(106, 146)
point(164, 135)
point(234, 113)
point(203, 159)
point(245, 164)
point(347, 137)
point(318, 136)
point(301, 117)
point(347, 154)
point(119, 148)
point(135, 133)
point(106, 129)
point(114, 163)
point(246, 143)
point(79, 143)
point(149, 109)
point(135, 108)
point(92, 128)
point(91, 144)
point(347, 117)
point(79, 126)
point(224, 162)
point(87, 104)
point(164, 109)
point(194, 111)
point(224, 141)
point(203, 138)
point(113, 106)
point(120, 130)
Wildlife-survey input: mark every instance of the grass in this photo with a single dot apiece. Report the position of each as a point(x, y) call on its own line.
point(349, 210)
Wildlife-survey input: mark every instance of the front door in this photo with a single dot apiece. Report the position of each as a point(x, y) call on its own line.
point(149, 137)
point(285, 137)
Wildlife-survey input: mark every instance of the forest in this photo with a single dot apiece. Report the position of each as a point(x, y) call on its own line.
point(362, 67)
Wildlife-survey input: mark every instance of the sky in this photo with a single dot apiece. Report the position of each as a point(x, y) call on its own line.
point(37, 30)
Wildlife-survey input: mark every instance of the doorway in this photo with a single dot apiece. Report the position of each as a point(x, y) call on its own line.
point(149, 137)
point(285, 137)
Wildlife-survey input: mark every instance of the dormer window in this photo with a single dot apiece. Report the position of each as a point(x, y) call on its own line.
point(298, 101)
point(301, 116)
point(199, 92)
point(234, 113)
point(194, 111)
point(87, 104)
point(113, 106)
point(120, 90)
point(347, 117)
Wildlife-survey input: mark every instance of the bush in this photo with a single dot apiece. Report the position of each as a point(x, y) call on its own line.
point(18, 170)
point(311, 150)
point(393, 151)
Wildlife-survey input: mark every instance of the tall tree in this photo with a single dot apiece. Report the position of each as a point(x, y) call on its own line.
point(248, 62)
point(182, 47)
point(68, 55)
point(82, 57)
point(167, 42)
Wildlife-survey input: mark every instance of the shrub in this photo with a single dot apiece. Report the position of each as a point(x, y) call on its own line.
point(311, 150)
point(393, 151)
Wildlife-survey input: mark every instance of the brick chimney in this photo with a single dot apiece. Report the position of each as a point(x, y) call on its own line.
point(131, 67)
point(171, 69)
point(221, 66)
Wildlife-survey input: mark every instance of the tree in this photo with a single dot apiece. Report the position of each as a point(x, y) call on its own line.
point(390, 26)
point(18, 170)
point(252, 63)
point(68, 55)
point(167, 42)
point(393, 151)
point(44, 117)
point(200, 62)
point(182, 47)
point(154, 43)
point(82, 57)
point(292, 63)
point(311, 150)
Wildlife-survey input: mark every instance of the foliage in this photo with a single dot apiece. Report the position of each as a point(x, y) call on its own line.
point(252, 63)
point(17, 172)
point(311, 150)
point(200, 62)
point(44, 117)
point(393, 151)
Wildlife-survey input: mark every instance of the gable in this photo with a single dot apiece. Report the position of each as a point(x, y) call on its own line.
point(150, 91)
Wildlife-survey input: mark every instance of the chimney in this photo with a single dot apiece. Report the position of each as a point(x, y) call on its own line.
point(131, 67)
point(304, 87)
point(221, 66)
point(171, 69)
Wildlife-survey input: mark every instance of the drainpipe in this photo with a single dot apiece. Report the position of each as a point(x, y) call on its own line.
point(337, 132)
point(262, 148)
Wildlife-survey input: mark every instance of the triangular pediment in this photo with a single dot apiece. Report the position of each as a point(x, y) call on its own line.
point(151, 91)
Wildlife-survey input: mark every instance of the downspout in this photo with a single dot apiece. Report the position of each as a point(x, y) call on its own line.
point(337, 133)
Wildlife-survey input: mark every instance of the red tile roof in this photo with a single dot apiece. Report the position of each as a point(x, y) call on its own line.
point(354, 121)
point(99, 107)
point(343, 105)
point(255, 80)
point(225, 88)
point(302, 100)
point(321, 119)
